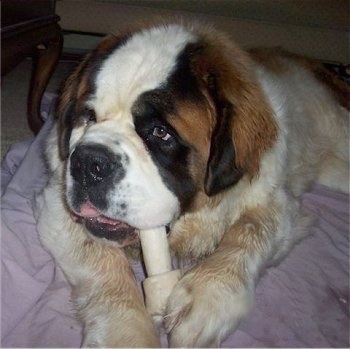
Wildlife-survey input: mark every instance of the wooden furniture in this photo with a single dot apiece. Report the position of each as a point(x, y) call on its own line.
point(29, 28)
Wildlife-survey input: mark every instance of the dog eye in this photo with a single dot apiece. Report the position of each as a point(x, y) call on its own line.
point(89, 116)
point(161, 133)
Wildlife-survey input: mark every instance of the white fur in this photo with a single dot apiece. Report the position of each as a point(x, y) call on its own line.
point(150, 203)
point(140, 65)
point(133, 69)
point(254, 223)
point(312, 146)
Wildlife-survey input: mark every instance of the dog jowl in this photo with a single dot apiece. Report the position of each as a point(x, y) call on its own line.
point(176, 126)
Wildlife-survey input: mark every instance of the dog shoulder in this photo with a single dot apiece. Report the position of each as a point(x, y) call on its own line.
point(279, 62)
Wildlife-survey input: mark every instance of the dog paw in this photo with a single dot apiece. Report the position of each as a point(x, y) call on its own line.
point(203, 310)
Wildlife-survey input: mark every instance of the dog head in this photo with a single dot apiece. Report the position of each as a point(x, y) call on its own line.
point(151, 120)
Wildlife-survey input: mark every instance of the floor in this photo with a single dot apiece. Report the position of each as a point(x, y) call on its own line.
point(14, 93)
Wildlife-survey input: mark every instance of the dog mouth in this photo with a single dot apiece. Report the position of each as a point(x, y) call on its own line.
point(105, 227)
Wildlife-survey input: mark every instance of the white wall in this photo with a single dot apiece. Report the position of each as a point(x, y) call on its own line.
point(328, 41)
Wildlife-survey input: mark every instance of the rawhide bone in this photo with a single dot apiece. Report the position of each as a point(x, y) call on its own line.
point(161, 278)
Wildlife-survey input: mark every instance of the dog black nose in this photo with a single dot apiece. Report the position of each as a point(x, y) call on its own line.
point(92, 164)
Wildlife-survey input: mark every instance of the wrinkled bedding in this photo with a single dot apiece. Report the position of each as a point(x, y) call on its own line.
point(303, 302)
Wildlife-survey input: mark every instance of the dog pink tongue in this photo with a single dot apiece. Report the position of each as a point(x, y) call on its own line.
point(88, 210)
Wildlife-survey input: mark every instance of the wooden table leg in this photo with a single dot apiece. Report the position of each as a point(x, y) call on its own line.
point(44, 63)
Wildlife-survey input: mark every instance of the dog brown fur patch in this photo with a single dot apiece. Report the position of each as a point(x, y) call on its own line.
point(195, 123)
point(339, 88)
point(253, 126)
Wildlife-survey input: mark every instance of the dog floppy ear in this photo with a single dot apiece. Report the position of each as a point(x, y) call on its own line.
point(245, 126)
point(65, 126)
point(77, 89)
point(221, 171)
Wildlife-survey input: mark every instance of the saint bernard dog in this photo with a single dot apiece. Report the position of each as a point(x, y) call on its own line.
point(174, 125)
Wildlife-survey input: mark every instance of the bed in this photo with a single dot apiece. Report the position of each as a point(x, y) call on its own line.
point(302, 302)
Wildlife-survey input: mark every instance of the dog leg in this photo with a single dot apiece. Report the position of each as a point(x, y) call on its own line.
point(112, 309)
point(208, 303)
point(105, 292)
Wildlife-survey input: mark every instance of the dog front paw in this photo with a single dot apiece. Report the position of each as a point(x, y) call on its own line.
point(120, 331)
point(204, 309)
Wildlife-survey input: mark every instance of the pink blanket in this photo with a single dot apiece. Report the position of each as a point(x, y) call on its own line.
point(304, 302)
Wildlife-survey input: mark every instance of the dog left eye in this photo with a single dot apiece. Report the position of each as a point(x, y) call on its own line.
point(89, 116)
point(161, 133)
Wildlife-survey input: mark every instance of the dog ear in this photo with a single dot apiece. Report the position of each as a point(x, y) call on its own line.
point(245, 126)
point(221, 171)
point(65, 127)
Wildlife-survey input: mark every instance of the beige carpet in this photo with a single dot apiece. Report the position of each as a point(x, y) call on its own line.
point(14, 93)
